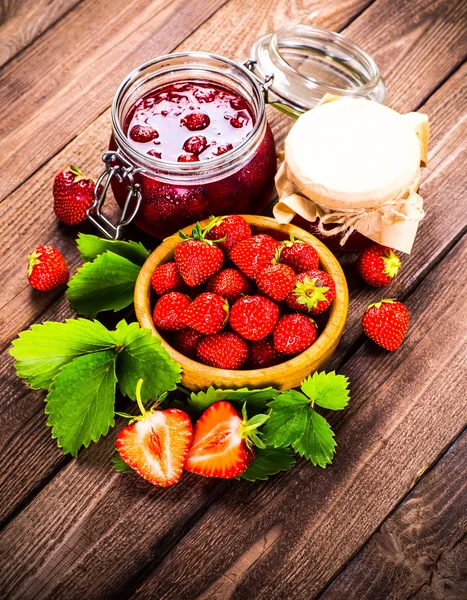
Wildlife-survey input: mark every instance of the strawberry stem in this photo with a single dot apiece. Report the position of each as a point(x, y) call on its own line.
point(139, 385)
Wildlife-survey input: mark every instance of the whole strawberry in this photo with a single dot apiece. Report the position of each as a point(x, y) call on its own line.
point(313, 293)
point(169, 310)
point(263, 354)
point(187, 340)
point(254, 317)
point(224, 350)
point(208, 313)
point(299, 255)
point(294, 334)
point(47, 269)
point(197, 259)
point(386, 323)
point(73, 194)
point(254, 253)
point(233, 228)
point(230, 284)
point(378, 265)
point(276, 281)
point(166, 278)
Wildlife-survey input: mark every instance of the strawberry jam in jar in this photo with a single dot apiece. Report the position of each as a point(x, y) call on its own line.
point(190, 139)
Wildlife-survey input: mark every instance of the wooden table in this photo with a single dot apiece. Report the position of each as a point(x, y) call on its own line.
point(388, 519)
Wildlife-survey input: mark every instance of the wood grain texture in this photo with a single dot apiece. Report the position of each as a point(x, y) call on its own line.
point(22, 21)
point(421, 549)
point(397, 422)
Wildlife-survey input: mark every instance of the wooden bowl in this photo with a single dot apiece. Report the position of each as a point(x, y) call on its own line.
point(286, 375)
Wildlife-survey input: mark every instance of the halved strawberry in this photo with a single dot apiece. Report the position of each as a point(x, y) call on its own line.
point(156, 444)
point(221, 443)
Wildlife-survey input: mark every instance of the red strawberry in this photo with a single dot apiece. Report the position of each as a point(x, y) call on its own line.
point(254, 317)
point(378, 265)
point(197, 259)
point(276, 281)
point(187, 341)
point(298, 255)
point(386, 323)
point(166, 278)
point(314, 292)
point(196, 121)
point(230, 284)
point(253, 254)
point(263, 354)
point(233, 228)
point(73, 194)
point(219, 447)
point(195, 144)
point(223, 350)
point(208, 313)
point(188, 158)
point(169, 310)
point(156, 445)
point(143, 134)
point(294, 334)
point(222, 149)
point(47, 269)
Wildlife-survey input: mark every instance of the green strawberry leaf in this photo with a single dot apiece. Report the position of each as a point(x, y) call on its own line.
point(81, 400)
point(120, 465)
point(91, 246)
point(327, 390)
point(143, 357)
point(256, 399)
point(107, 283)
point(269, 461)
point(317, 442)
point(41, 351)
point(287, 421)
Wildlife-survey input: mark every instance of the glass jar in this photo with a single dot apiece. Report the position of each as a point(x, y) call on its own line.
point(291, 69)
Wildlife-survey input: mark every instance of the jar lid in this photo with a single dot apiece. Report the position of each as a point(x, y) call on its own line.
point(307, 62)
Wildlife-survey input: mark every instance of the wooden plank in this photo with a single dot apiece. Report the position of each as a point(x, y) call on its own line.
point(413, 553)
point(23, 21)
point(398, 422)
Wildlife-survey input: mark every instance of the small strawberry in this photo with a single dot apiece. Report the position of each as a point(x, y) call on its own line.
point(314, 292)
point(276, 281)
point(378, 265)
point(195, 144)
point(169, 310)
point(253, 254)
point(156, 444)
point(254, 317)
point(143, 134)
point(196, 121)
point(233, 228)
point(73, 194)
point(299, 255)
point(386, 323)
point(197, 258)
point(208, 313)
point(221, 443)
point(224, 350)
point(187, 340)
point(47, 269)
point(230, 284)
point(166, 278)
point(294, 334)
point(263, 354)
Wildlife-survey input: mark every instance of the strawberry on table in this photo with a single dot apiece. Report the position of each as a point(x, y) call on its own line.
point(156, 445)
point(263, 354)
point(378, 265)
point(233, 228)
point(386, 323)
point(166, 278)
point(313, 293)
point(254, 317)
point(254, 253)
point(197, 258)
point(221, 443)
point(294, 333)
point(169, 310)
point(230, 284)
point(73, 194)
point(208, 313)
point(276, 281)
point(298, 255)
point(224, 350)
point(47, 269)
point(187, 340)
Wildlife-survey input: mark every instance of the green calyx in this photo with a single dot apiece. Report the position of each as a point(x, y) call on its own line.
point(249, 429)
point(392, 264)
point(33, 260)
point(382, 301)
point(309, 293)
point(79, 175)
point(197, 233)
point(144, 413)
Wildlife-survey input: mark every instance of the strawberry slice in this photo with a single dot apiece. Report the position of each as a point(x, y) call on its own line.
point(220, 443)
point(156, 444)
